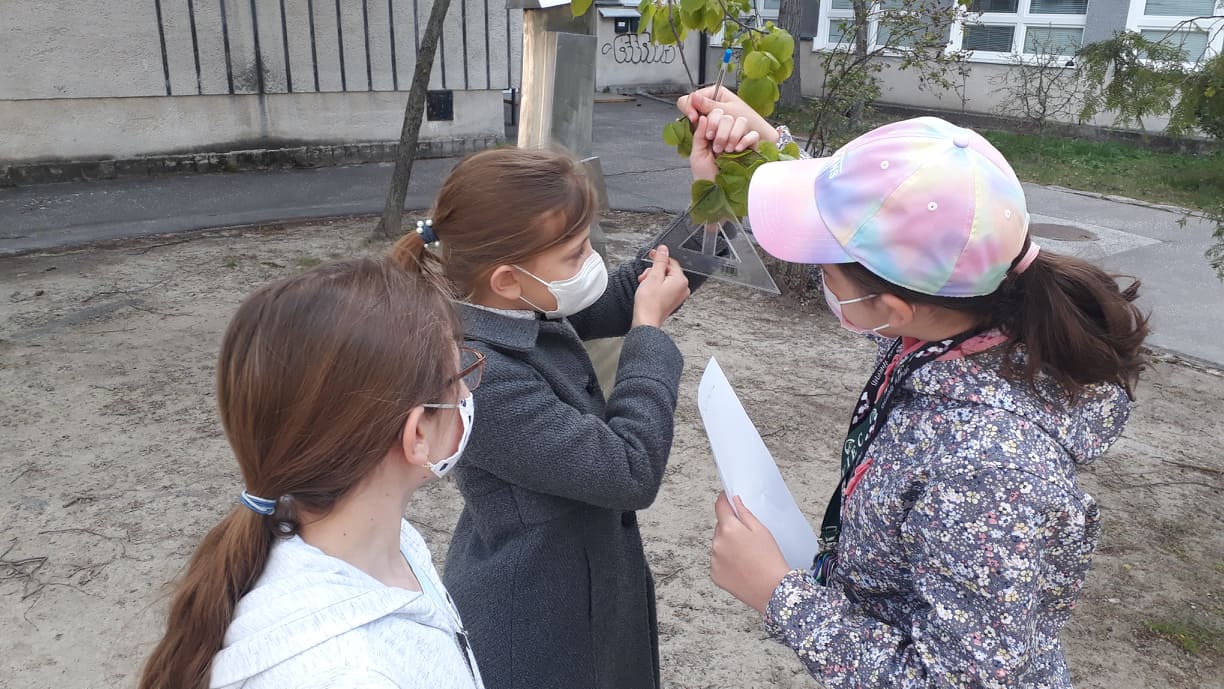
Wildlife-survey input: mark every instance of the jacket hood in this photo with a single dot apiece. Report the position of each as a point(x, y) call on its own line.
point(1085, 429)
point(305, 597)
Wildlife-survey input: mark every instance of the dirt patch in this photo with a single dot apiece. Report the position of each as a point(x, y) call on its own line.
point(116, 466)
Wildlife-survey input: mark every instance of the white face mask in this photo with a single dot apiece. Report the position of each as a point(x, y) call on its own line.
point(835, 305)
point(467, 414)
point(576, 293)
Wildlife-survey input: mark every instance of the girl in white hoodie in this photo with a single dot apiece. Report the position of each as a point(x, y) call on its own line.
point(342, 390)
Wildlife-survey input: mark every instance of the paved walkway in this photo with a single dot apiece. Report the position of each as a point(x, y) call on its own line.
point(1186, 299)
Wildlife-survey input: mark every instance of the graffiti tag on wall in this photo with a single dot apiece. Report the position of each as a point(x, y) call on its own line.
point(636, 49)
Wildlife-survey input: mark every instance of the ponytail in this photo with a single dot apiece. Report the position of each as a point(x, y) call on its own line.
point(1075, 323)
point(413, 255)
point(316, 377)
point(1072, 320)
point(224, 568)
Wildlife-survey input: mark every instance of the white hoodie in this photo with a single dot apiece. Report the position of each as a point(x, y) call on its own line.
point(315, 621)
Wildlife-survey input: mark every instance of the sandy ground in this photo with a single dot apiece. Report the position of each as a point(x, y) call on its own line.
point(115, 466)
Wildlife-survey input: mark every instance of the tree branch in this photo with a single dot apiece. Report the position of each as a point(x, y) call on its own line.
point(671, 19)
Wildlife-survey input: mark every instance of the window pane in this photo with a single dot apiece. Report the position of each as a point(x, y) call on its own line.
point(842, 5)
point(770, 5)
point(1045, 40)
point(994, 6)
point(1179, 8)
point(1058, 6)
point(884, 34)
point(836, 34)
point(1192, 43)
point(992, 38)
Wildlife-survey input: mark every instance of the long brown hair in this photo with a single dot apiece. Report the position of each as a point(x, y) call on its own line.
point(1072, 319)
point(498, 207)
point(317, 375)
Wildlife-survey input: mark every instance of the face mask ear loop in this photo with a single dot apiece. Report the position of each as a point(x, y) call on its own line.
point(533, 277)
point(525, 301)
point(530, 274)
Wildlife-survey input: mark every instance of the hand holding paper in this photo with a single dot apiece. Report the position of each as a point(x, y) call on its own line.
point(744, 558)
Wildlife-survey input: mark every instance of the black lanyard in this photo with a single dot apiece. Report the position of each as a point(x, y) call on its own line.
point(870, 412)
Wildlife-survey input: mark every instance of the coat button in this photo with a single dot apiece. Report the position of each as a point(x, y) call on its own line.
point(629, 519)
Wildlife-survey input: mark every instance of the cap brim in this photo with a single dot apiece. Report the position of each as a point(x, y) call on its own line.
point(784, 216)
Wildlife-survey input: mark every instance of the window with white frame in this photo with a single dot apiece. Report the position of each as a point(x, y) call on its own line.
point(1188, 24)
point(838, 22)
point(1029, 27)
point(766, 11)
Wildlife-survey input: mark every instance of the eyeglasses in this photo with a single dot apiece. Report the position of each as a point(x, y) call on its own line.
point(471, 369)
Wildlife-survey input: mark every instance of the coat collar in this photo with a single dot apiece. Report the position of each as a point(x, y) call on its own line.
point(499, 330)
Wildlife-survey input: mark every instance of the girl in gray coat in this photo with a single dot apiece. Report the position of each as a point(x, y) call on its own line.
point(546, 562)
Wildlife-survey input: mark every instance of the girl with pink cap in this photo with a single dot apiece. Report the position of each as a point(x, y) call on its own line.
point(957, 540)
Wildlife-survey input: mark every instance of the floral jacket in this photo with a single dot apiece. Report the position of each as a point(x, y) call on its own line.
point(965, 543)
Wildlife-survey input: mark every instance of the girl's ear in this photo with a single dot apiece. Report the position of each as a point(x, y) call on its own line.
point(413, 442)
point(504, 282)
point(900, 312)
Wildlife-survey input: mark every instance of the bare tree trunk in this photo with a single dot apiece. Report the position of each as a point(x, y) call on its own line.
point(390, 225)
point(862, 19)
point(789, 17)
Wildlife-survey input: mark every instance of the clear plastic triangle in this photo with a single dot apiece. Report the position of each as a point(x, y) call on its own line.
point(722, 251)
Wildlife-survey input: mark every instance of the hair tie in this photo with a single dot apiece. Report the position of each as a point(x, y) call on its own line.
point(257, 504)
point(1027, 259)
point(425, 229)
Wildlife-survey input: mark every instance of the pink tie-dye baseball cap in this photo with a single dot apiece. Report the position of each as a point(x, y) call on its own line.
point(922, 203)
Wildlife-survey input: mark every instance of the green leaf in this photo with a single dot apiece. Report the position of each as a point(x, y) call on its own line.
point(692, 6)
point(709, 202)
point(741, 158)
point(686, 141)
point(731, 167)
point(580, 7)
point(661, 30)
point(671, 136)
point(693, 14)
point(769, 151)
point(736, 191)
point(783, 71)
point(679, 134)
point(701, 187)
point(647, 9)
point(759, 64)
point(792, 150)
point(760, 94)
point(780, 44)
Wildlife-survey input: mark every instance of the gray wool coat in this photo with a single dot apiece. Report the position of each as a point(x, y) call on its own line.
point(546, 564)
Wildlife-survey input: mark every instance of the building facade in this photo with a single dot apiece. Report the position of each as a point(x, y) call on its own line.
point(121, 79)
point(1010, 30)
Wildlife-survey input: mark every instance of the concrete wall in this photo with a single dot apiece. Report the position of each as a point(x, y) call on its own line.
point(86, 129)
point(631, 60)
point(120, 78)
point(983, 93)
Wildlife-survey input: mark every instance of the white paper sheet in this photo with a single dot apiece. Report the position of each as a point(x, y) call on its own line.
point(748, 470)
